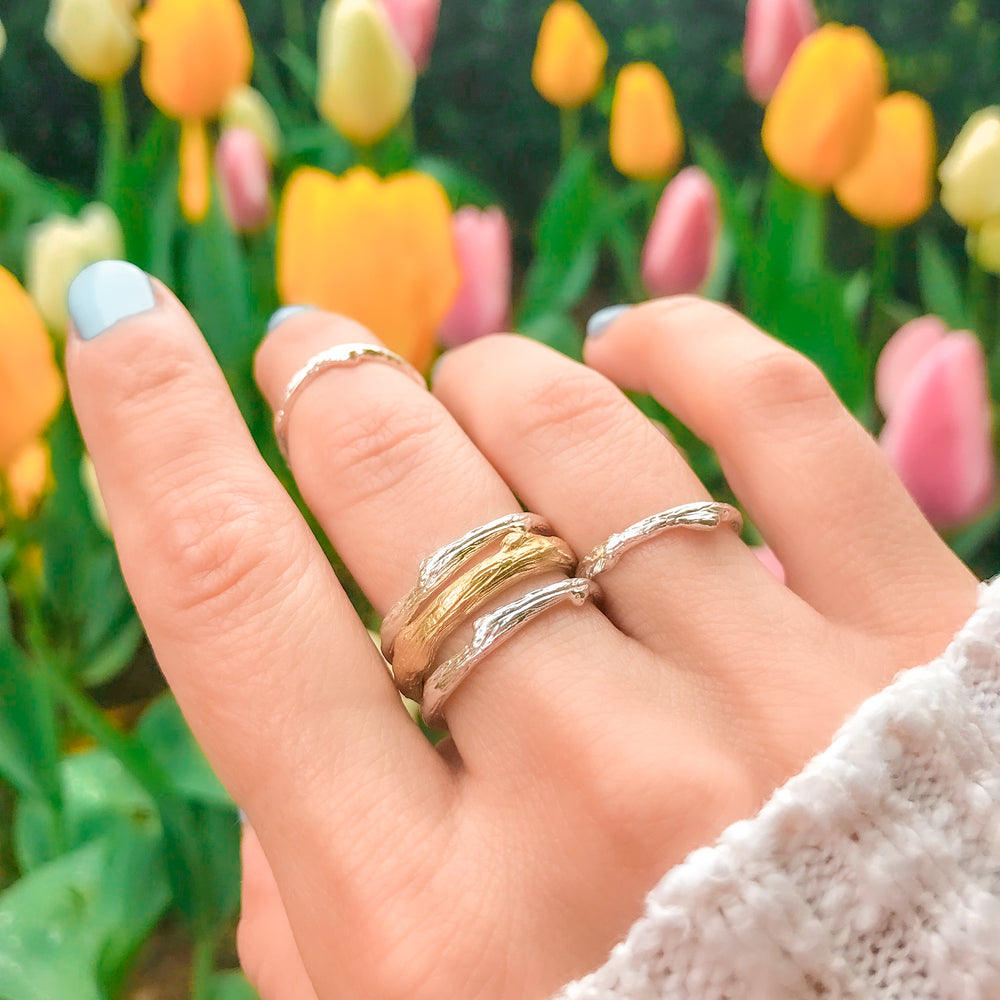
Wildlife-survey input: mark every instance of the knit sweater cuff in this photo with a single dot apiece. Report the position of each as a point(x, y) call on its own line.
point(875, 873)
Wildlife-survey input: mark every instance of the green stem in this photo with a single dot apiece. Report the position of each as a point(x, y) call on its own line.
point(883, 283)
point(202, 966)
point(979, 303)
point(569, 131)
point(114, 143)
point(295, 22)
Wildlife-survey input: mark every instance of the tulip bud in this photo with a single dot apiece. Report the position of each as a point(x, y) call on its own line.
point(27, 476)
point(366, 79)
point(483, 247)
point(906, 348)
point(32, 385)
point(822, 115)
point(415, 22)
point(197, 52)
point(937, 435)
point(59, 248)
point(984, 246)
point(568, 68)
point(244, 174)
point(680, 247)
point(3, 39)
point(970, 173)
point(769, 561)
point(892, 184)
point(774, 30)
point(647, 141)
point(95, 38)
point(247, 108)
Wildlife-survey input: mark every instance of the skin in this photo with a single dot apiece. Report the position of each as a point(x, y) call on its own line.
point(599, 746)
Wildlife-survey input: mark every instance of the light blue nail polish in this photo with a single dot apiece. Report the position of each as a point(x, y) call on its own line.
point(285, 312)
point(107, 292)
point(601, 320)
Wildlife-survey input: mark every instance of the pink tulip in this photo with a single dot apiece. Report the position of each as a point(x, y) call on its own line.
point(244, 173)
point(483, 246)
point(774, 29)
point(769, 561)
point(904, 351)
point(680, 247)
point(416, 23)
point(937, 435)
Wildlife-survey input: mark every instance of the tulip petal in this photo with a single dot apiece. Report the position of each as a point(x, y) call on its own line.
point(970, 173)
point(774, 30)
point(906, 348)
point(646, 138)
point(938, 435)
point(244, 173)
point(568, 67)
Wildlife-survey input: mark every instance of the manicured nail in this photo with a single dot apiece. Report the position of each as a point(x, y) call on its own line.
point(600, 321)
point(286, 312)
point(107, 292)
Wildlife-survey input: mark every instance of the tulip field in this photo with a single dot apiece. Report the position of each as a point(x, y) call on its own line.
point(334, 154)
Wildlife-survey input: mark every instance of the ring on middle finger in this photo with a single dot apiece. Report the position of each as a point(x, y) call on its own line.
point(521, 555)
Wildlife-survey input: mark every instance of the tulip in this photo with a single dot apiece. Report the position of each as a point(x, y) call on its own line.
point(95, 38)
point(822, 116)
point(906, 348)
point(568, 68)
point(3, 39)
point(647, 141)
point(27, 476)
point(774, 30)
point(892, 184)
point(937, 435)
point(95, 499)
point(366, 78)
point(196, 53)
point(482, 306)
point(680, 247)
point(244, 174)
point(769, 561)
point(59, 248)
point(30, 384)
point(984, 246)
point(379, 251)
point(416, 23)
point(247, 108)
point(970, 173)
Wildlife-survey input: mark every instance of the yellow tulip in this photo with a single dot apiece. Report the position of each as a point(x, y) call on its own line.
point(970, 173)
point(59, 248)
point(647, 141)
point(984, 245)
point(892, 184)
point(30, 385)
point(822, 116)
point(568, 68)
point(247, 108)
point(379, 251)
point(27, 476)
point(366, 77)
point(95, 38)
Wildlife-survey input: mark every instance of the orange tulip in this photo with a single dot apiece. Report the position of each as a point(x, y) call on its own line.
point(892, 184)
point(30, 385)
point(822, 116)
point(647, 141)
point(196, 53)
point(27, 477)
point(379, 251)
point(568, 68)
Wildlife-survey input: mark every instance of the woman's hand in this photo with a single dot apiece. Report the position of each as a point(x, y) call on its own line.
point(594, 750)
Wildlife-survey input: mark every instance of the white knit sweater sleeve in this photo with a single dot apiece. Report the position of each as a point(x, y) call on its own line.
point(875, 873)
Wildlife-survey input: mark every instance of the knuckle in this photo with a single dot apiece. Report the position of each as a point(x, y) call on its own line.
point(383, 446)
point(779, 381)
point(571, 404)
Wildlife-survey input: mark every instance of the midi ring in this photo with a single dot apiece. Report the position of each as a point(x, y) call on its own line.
point(697, 516)
point(341, 356)
point(443, 564)
point(491, 631)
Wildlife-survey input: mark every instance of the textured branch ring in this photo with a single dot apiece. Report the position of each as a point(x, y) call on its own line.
point(341, 356)
point(696, 516)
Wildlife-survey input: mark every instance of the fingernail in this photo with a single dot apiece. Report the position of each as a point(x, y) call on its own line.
point(600, 321)
point(107, 292)
point(286, 312)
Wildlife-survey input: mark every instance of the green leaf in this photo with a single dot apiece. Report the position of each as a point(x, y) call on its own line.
point(84, 912)
point(461, 187)
point(940, 285)
point(557, 331)
point(231, 986)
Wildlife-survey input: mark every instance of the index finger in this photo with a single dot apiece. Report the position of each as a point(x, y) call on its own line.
point(271, 666)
